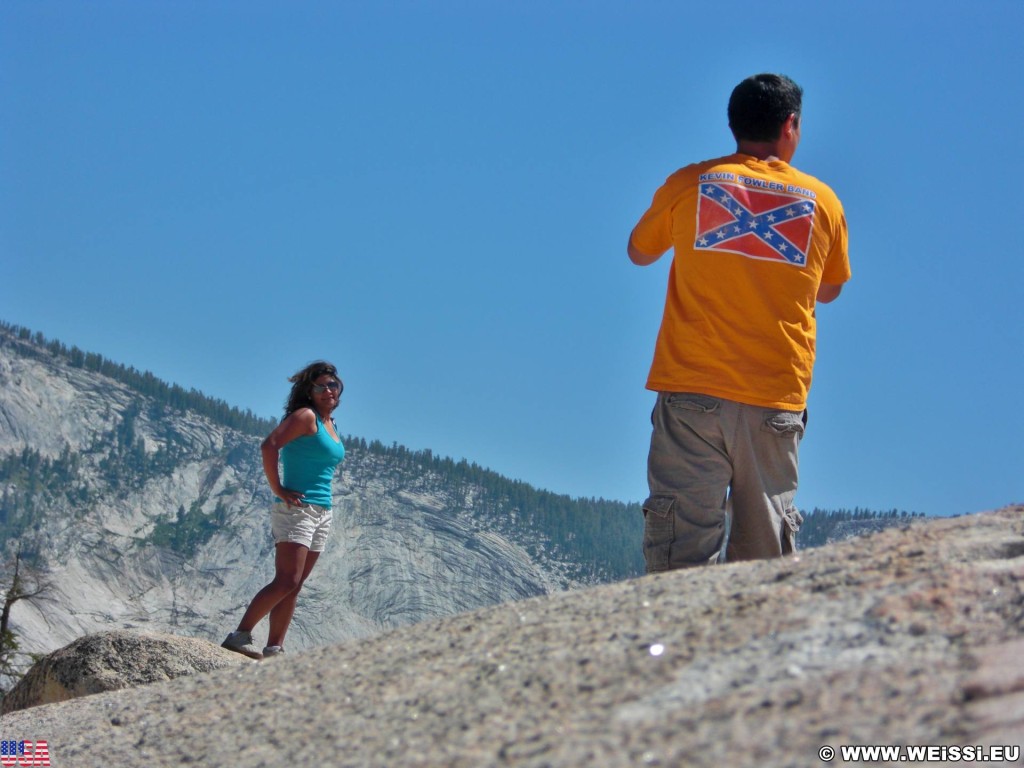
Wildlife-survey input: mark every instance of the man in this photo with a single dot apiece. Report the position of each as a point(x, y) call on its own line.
point(757, 244)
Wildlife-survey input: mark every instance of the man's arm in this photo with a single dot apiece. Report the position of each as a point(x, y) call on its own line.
point(638, 257)
point(828, 292)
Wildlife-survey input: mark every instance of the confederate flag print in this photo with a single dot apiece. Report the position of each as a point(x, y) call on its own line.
point(758, 224)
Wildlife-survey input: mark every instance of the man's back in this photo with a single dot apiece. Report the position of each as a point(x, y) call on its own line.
point(753, 240)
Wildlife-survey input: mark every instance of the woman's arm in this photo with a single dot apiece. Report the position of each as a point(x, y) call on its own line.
point(296, 424)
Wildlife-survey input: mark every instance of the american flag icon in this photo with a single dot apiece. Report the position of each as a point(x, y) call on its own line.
point(23, 754)
point(757, 224)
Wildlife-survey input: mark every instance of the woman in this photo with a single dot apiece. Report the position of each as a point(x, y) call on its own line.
point(307, 444)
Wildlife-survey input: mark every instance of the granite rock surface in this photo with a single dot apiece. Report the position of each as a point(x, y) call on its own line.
point(911, 636)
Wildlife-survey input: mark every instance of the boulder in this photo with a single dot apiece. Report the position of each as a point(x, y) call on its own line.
point(110, 661)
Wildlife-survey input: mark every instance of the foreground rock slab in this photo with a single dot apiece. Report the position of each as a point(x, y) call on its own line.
point(907, 637)
point(110, 661)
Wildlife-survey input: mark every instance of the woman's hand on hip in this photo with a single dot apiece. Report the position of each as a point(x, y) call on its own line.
point(290, 497)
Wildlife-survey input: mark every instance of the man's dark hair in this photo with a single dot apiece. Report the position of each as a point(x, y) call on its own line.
point(760, 105)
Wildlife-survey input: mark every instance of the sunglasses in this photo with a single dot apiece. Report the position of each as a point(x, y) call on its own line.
point(334, 386)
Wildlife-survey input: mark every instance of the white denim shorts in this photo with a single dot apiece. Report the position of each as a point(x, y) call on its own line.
point(306, 524)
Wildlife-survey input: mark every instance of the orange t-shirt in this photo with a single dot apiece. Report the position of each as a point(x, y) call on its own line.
point(753, 241)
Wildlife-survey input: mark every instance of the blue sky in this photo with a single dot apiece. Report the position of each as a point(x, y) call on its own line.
point(436, 196)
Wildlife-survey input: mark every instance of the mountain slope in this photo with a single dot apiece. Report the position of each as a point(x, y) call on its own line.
point(145, 505)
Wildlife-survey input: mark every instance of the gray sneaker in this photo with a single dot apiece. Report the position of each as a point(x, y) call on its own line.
point(273, 650)
point(241, 642)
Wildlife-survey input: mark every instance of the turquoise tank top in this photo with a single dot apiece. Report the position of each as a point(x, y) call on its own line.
point(308, 463)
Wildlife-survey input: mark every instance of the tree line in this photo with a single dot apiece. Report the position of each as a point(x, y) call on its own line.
point(142, 382)
point(578, 530)
point(821, 526)
point(596, 538)
point(599, 539)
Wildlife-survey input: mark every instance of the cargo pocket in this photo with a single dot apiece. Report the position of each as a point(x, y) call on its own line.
point(680, 536)
point(791, 522)
point(659, 531)
point(784, 423)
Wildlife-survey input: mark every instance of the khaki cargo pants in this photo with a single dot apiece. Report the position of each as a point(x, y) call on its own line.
point(722, 477)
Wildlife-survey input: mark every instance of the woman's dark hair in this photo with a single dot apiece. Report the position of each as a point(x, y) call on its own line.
point(760, 105)
point(302, 385)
